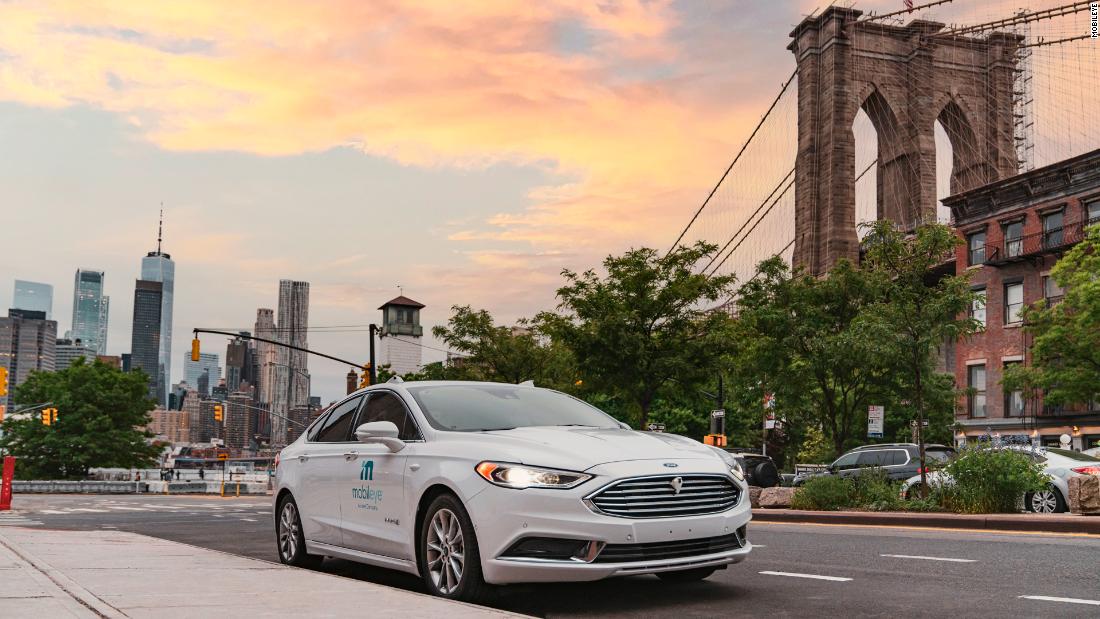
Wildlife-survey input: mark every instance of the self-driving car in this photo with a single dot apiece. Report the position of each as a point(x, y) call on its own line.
point(471, 484)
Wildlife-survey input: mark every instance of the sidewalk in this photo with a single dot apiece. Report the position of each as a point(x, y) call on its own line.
point(115, 574)
point(1039, 523)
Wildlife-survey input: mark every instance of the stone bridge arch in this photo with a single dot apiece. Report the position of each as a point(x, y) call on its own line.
point(905, 78)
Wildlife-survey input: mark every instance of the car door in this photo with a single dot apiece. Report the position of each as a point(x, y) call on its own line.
point(846, 464)
point(374, 515)
point(321, 464)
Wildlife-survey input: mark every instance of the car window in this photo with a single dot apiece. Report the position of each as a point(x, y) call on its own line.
point(316, 426)
point(337, 427)
point(385, 406)
point(1074, 455)
point(480, 407)
point(895, 457)
point(939, 455)
point(846, 461)
point(876, 457)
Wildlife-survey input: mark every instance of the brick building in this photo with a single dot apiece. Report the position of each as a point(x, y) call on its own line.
point(1015, 230)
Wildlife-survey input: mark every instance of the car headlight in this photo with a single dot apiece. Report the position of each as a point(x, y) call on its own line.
point(731, 462)
point(520, 476)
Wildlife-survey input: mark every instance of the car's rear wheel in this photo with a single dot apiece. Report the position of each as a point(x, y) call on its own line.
point(290, 538)
point(1046, 501)
point(450, 563)
point(691, 575)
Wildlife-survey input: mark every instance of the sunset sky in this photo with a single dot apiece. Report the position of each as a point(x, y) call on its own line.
point(466, 151)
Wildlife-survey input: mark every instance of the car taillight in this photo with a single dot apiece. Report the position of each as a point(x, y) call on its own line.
point(1087, 470)
point(924, 470)
point(277, 460)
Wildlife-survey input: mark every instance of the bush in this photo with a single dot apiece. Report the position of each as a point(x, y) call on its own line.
point(985, 481)
point(825, 493)
point(873, 490)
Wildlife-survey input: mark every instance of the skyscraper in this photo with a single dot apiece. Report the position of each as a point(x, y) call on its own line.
point(193, 370)
point(145, 336)
point(27, 343)
point(265, 368)
point(157, 266)
point(239, 362)
point(90, 310)
point(68, 349)
point(34, 297)
point(291, 369)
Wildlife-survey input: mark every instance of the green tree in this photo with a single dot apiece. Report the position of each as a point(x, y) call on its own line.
point(1065, 354)
point(645, 326)
point(505, 354)
point(100, 410)
point(917, 311)
point(803, 339)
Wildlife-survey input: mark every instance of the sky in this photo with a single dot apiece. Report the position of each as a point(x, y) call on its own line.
point(464, 152)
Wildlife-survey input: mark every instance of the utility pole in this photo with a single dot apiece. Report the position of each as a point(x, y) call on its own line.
point(373, 370)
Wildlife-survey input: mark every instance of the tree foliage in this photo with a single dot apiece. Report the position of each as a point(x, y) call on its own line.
point(645, 325)
point(1066, 350)
point(100, 409)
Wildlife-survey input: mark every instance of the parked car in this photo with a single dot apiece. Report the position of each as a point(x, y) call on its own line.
point(900, 461)
point(760, 470)
point(469, 484)
point(1059, 465)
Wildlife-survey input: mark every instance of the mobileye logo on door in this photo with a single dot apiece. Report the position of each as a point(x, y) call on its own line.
point(369, 497)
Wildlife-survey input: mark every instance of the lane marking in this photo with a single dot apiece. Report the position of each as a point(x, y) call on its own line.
point(51, 511)
point(759, 546)
point(129, 509)
point(756, 523)
point(813, 576)
point(1047, 598)
point(88, 509)
point(931, 558)
point(249, 519)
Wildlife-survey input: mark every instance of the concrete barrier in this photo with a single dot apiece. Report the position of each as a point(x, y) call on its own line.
point(77, 487)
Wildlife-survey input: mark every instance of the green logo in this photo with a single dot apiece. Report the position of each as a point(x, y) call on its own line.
point(366, 473)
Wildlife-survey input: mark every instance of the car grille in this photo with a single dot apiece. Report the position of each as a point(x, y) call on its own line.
point(626, 553)
point(657, 497)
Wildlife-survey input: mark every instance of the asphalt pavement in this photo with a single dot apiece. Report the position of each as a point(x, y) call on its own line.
point(795, 570)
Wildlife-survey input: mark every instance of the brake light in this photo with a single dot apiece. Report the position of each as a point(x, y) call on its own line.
point(1087, 470)
point(277, 460)
point(924, 470)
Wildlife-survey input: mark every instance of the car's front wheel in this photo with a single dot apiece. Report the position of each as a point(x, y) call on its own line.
point(450, 563)
point(692, 575)
point(290, 538)
point(1046, 501)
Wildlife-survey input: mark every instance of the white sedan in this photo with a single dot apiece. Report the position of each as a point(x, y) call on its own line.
point(1058, 464)
point(468, 484)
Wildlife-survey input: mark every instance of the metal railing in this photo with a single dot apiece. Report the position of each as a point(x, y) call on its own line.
point(1010, 250)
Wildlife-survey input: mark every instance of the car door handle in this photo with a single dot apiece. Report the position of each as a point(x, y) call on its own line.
point(303, 458)
point(351, 455)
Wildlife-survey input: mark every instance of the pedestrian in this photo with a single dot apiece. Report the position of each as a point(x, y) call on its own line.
point(202, 473)
point(177, 475)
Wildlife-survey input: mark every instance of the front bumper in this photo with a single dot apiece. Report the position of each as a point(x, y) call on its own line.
point(503, 516)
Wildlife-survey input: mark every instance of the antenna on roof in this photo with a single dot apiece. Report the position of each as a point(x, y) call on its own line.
point(160, 227)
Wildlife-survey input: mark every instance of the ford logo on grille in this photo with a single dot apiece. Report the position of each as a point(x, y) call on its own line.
point(671, 465)
point(676, 484)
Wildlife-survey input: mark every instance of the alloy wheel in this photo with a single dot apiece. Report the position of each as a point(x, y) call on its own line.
point(288, 532)
point(446, 551)
point(1044, 502)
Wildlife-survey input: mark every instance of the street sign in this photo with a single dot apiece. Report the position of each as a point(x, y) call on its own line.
point(875, 418)
point(769, 401)
point(718, 414)
point(656, 427)
point(223, 456)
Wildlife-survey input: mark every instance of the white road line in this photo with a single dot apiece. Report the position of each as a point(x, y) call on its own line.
point(151, 506)
point(759, 546)
point(1047, 598)
point(813, 576)
point(51, 511)
point(931, 558)
point(129, 509)
point(88, 509)
point(249, 519)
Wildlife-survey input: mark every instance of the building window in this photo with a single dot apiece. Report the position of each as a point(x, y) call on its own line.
point(977, 306)
point(975, 380)
point(1014, 400)
point(1014, 303)
point(1014, 239)
point(1052, 229)
point(1052, 292)
point(1092, 212)
point(976, 244)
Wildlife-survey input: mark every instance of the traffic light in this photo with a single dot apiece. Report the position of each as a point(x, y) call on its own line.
point(217, 412)
point(49, 416)
point(365, 380)
point(3, 381)
point(195, 349)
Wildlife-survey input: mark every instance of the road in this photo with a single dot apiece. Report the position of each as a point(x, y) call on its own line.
point(796, 570)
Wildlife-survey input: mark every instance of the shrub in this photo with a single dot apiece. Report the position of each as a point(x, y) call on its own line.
point(825, 493)
point(985, 480)
point(873, 490)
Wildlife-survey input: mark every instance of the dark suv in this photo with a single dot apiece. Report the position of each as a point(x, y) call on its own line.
point(900, 461)
point(760, 470)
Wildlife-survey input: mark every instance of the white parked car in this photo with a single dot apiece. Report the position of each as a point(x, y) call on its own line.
point(1059, 465)
point(468, 484)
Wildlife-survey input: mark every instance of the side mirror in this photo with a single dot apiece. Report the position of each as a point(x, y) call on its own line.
point(380, 432)
point(625, 426)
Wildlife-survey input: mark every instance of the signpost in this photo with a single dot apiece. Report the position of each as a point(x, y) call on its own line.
point(876, 416)
point(655, 427)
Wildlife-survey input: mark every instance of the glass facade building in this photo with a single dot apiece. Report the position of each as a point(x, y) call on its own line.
point(145, 336)
point(158, 267)
point(90, 310)
point(33, 297)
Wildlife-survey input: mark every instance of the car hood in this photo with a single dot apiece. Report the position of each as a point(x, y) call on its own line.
point(581, 448)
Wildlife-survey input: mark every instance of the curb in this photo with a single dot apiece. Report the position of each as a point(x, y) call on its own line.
point(991, 522)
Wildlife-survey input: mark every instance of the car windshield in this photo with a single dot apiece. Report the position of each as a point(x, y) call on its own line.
point(1073, 455)
point(479, 407)
point(939, 455)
